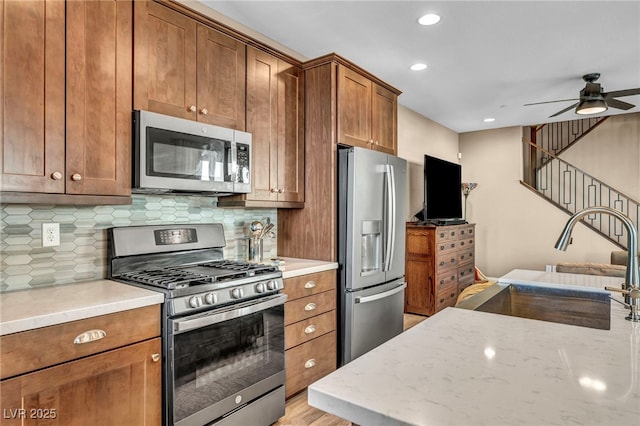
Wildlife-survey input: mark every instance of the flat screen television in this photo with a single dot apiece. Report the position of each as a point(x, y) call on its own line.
point(442, 191)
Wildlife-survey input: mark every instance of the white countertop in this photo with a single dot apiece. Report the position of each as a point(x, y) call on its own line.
point(294, 267)
point(463, 367)
point(28, 309)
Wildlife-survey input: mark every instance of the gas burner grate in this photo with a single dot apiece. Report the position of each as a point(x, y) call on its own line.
point(167, 277)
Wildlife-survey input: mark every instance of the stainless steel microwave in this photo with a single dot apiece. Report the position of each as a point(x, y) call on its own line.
point(176, 155)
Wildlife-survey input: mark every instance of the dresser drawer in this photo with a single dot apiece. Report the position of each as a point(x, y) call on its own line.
point(446, 261)
point(467, 242)
point(446, 246)
point(445, 280)
point(466, 273)
point(310, 306)
point(306, 285)
point(442, 235)
point(446, 297)
point(465, 256)
point(34, 349)
point(466, 231)
point(309, 362)
point(308, 329)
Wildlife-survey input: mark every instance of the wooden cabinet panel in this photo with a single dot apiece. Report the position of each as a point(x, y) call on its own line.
point(444, 252)
point(32, 96)
point(275, 119)
point(311, 328)
point(119, 387)
point(24, 352)
point(354, 108)
point(309, 362)
point(220, 79)
point(99, 86)
point(384, 130)
point(164, 61)
point(308, 284)
point(309, 306)
point(188, 70)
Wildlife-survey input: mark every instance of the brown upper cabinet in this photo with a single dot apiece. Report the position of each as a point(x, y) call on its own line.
point(275, 100)
point(367, 112)
point(61, 140)
point(185, 69)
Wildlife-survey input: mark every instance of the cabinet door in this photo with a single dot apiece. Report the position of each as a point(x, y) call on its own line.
point(99, 49)
point(32, 96)
point(164, 61)
point(290, 133)
point(354, 108)
point(384, 120)
point(262, 116)
point(220, 79)
point(119, 387)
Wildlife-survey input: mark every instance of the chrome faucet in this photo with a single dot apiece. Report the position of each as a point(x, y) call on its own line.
point(631, 286)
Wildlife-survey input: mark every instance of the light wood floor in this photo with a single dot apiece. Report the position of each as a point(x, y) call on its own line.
point(299, 413)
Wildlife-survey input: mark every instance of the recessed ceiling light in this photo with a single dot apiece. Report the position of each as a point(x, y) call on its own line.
point(429, 19)
point(418, 67)
point(489, 120)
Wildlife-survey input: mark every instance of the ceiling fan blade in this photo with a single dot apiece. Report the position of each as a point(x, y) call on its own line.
point(551, 102)
point(620, 93)
point(564, 110)
point(617, 103)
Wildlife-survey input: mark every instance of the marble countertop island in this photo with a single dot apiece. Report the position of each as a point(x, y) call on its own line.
point(463, 367)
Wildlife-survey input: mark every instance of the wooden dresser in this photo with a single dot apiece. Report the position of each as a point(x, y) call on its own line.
point(440, 263)
point(310, 328)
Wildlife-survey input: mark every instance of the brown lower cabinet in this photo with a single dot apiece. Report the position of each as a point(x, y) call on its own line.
point(310, 329)
point(52, 378)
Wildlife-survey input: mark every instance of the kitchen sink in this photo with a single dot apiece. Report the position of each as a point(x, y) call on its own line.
point(561, 305)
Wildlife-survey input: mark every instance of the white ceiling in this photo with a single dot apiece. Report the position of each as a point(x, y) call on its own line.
point(485, 58)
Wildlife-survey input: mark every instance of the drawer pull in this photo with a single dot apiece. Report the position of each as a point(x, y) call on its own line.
point(441, 247)
point(155, 357)
point(453, 295)
point(310, 306)
point(310, 284)
point(441, 282)
point(462, 257)
point(461, 243)
point(310, 363)
point(441, 263)
point(441, 300)
point(453, 245)
point(310, 329)
point(453, 259)
point(89, 336)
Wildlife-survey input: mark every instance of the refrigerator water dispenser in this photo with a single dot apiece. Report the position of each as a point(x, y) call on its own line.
point(371, 250)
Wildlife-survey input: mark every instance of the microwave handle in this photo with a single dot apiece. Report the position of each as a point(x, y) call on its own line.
point(232, 161)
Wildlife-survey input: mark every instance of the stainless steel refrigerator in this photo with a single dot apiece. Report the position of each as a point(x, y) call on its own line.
point(372, 195)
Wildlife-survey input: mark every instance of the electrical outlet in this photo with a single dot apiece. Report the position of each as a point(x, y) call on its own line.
point(50, 234)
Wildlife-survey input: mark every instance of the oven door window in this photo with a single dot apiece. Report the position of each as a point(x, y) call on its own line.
point(180, 155)
point(221, 360)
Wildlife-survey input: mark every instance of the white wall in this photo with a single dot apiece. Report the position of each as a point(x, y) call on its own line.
point(417, 136)
point(516, 228)
point(612, 150)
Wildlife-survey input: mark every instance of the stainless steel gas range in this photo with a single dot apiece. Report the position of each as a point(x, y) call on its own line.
point(223, 323)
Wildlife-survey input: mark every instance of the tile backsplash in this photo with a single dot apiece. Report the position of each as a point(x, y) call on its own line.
point(82, 254)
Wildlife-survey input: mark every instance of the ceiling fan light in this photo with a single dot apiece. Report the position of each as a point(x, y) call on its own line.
point(593, 106)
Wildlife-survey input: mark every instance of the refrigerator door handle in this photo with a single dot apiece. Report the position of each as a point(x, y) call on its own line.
point(390, 233)
point(382, 295)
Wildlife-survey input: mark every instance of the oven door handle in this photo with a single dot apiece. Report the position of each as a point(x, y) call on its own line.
point(231, 312)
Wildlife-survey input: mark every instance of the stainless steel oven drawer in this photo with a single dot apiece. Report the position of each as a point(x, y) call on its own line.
point(267, 409)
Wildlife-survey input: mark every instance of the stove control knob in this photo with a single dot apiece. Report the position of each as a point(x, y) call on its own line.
point(272, 285)
point(260, 288)
point(236, 293)
point(194, 302)
point(210, 298)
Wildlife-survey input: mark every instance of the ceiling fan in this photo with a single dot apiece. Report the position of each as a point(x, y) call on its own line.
point(593, 100)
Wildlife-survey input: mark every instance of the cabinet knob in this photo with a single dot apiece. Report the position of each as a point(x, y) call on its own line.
point(56, 175)
point(76, 177)
point(310, 284)
point(155, 357)
point(310, 363)
point(204, 111)
point(280, 190)
point(377, 143)
point(310, 306)
point(273, 190)
point(192, 108)
point(310, 329)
